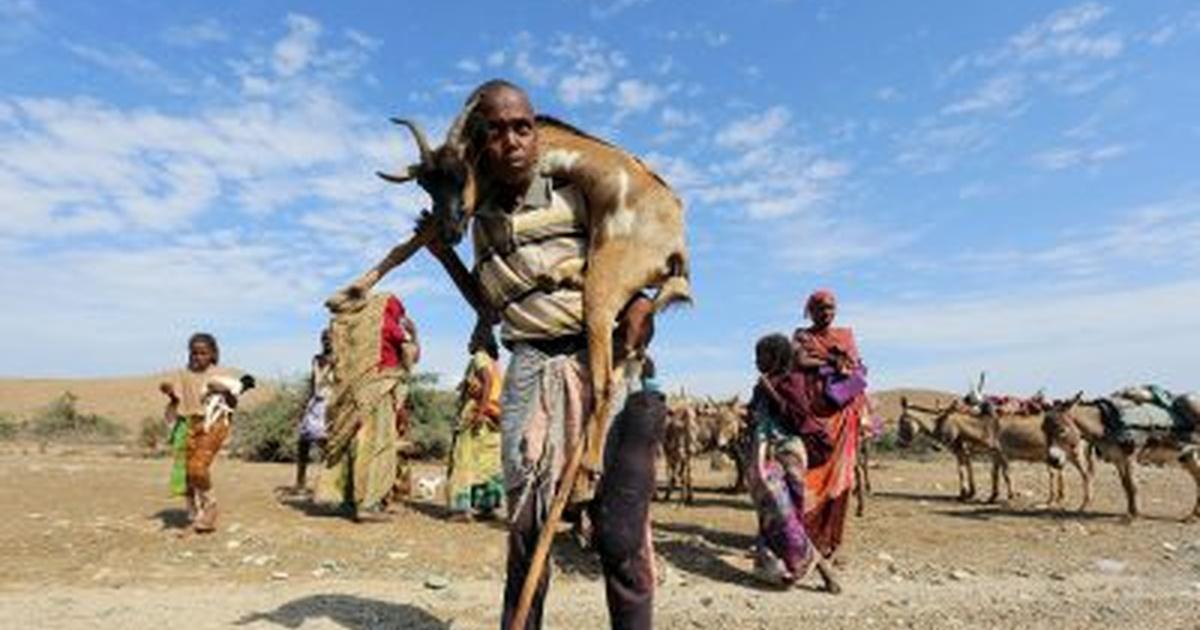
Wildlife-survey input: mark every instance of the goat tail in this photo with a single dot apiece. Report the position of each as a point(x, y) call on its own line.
point(677, 288)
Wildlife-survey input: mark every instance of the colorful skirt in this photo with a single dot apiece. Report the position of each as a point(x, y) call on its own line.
point(777, 487)
point(474, 479)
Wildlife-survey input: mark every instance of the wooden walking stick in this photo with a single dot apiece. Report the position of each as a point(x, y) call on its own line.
point(541, 551)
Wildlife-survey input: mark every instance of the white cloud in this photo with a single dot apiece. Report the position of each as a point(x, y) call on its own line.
point(1064, 33)
point(997, 93)
point(131, 65)
point(935, 147)
point(699, 32)
point(496, 59)
point(754, 129)
point(468, 65)
point(293, 53)
point(888, 94)
point(1153, 235)
point(1096, 340)
point(677, 118)
point(1069, 157)
point(18, 9)
point(634, 95)
point(603, 9)
point(592, 67)
point(206, 31)
point(820, 244)
point(362, 40)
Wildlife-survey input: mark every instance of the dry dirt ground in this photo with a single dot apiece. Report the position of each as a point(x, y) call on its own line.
point(90, 540)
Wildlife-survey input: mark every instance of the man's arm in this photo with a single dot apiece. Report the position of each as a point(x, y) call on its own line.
point(635, 327)
point(467, 284)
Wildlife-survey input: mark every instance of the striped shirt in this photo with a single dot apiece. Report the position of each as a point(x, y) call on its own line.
point(529, 261)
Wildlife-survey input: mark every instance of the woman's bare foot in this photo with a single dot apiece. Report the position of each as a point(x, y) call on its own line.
point(828, 577)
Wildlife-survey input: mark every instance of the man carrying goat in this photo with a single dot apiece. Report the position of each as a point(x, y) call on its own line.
point(531, 240)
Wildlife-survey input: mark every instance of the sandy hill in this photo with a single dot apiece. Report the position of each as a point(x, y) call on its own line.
point(125, 399)
point(887, 402)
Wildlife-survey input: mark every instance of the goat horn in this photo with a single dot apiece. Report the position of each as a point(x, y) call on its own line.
point(409, 175)
point(454, 134)
point(419, 136)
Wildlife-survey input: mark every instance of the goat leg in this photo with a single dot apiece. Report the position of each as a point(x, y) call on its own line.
point(425, 233)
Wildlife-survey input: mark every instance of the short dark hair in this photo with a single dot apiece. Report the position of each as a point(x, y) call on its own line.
point(776, 351)
point(475, 129)
point(209, 340)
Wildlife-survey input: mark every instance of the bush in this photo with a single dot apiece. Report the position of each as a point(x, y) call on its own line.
point(61, 420)
point(433, 412)
point(153, 434)
point(267, 431)
point(9, 426)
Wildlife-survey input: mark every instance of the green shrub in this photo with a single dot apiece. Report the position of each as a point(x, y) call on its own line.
point(433, 412)
point(152, 435)
point(266, 432)
point(9, 426)
point(61, 420)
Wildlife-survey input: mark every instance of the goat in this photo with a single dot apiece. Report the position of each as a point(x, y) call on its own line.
point(221, 397)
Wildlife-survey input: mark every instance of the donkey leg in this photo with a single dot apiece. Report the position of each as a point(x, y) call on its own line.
point(687, 480)
point(1007, 479)
point(962, 479)
point(1125, 470)
point(966, 463)
point(1050, 498)
point(1191, 463)
point(1061, 495)
point(995, 496)
point(1085, 476)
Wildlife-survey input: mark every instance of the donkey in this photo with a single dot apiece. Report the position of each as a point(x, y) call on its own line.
point(699, 428)
point(915, 420)
point(1072, 425)
point(1004, 438)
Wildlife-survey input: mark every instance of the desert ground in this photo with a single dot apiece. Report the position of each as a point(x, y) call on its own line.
point(91, 540)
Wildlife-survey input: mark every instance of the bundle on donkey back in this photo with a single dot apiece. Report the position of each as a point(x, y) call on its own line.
point(697, 428)
point(1129, 429)
point(1004, 438)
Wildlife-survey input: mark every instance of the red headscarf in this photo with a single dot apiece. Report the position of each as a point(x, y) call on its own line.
point(819, 297)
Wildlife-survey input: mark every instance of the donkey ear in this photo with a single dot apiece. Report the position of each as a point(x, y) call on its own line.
point(1077, 399)
point(904, 402)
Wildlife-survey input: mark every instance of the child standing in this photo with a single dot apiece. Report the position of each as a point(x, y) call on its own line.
point(312, 422)
point(195, 444)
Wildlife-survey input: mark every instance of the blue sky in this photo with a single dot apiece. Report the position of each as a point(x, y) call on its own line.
point(1002, 186)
